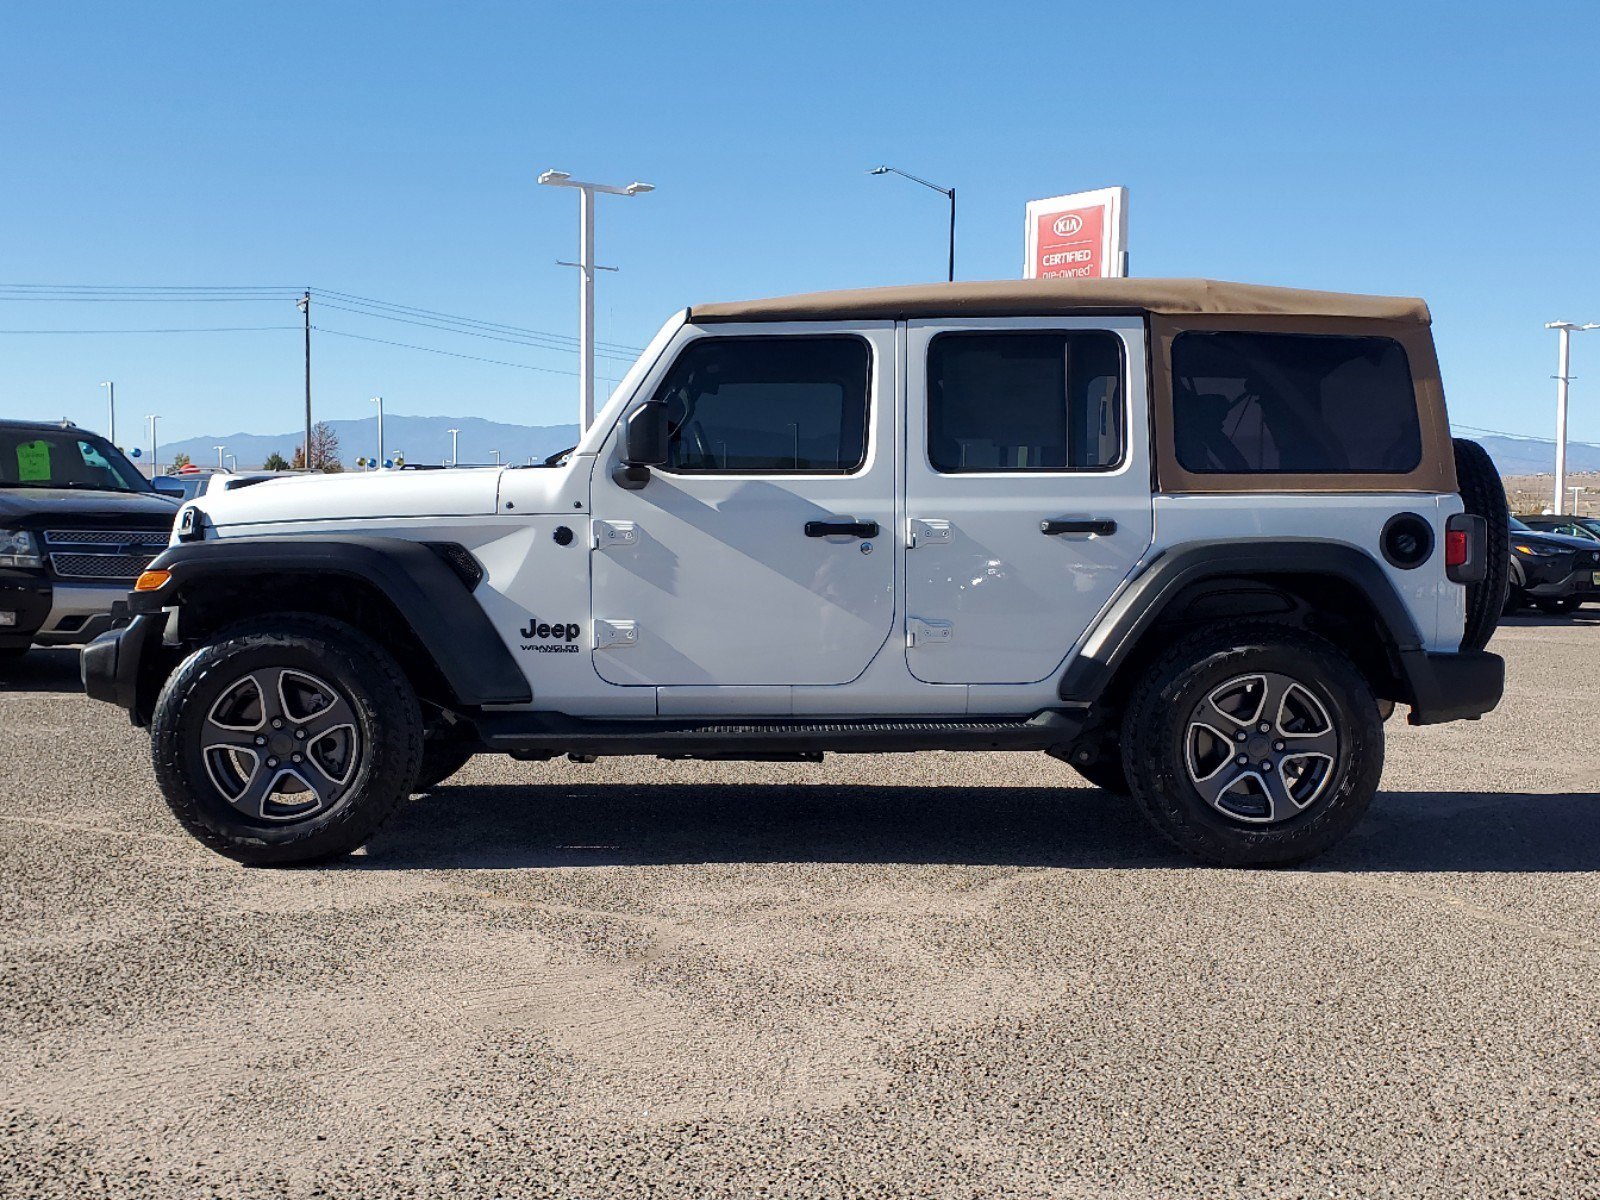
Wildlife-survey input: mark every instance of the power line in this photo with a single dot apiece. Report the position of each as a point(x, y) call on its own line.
point(491, 325)
point(548, 344)
point(1521, 437)
point(434, 350)
point(207, 329)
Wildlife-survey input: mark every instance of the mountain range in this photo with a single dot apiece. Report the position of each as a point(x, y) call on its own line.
point(419, 439)
point(427, 440)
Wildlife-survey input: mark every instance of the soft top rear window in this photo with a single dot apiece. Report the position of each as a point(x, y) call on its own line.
point(1282, 403)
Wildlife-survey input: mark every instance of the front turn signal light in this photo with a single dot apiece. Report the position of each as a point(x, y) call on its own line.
point(151, 581)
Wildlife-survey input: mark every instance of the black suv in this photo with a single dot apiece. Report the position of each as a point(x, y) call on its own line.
point(78, 523)
point(1551, 570)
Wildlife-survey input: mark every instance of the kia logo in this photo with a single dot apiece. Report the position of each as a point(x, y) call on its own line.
point(1068, 225)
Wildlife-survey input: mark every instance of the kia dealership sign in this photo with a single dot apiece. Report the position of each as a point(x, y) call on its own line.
point(1081, 236)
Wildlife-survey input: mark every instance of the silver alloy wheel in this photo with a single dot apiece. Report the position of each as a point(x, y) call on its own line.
point(281, 745)
point(1260, 748)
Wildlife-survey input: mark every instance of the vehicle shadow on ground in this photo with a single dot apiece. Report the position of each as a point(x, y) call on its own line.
point(42, 670)
point(1539, 620)
point(577, 825)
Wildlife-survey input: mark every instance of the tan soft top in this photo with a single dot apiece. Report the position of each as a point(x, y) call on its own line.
point(1051, 297)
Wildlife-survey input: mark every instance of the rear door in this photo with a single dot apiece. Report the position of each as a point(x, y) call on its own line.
point(1027, 489)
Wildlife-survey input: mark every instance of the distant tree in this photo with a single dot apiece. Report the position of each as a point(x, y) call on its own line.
point(324, 450)
point(275, 462)
point(179, 462)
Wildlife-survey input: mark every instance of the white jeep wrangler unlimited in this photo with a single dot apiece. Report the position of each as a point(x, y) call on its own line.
point(1195, 539)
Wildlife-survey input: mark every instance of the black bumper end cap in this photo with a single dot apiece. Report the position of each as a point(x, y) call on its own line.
point(1453, 687)
point(109, 665)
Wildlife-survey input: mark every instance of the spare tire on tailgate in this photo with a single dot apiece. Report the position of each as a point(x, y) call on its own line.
point(1484, 495)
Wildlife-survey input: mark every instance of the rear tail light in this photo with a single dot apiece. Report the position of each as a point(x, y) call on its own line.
point(1466, 537)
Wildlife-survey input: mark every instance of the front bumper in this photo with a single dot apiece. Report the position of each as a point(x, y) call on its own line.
point(25, 599)
point(113, 665)
point(1579, 583)
point(1452, 687)
point(52, 613)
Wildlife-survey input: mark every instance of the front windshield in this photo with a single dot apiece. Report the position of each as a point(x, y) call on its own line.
point(1516, 524)
point(64, 458)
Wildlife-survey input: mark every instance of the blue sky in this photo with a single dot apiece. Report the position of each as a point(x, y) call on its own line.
point(389, 150)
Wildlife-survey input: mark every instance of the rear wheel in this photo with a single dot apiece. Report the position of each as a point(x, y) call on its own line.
point(1560, 605)
point(1484, 495)
point(1253, 745)
point(286, 740)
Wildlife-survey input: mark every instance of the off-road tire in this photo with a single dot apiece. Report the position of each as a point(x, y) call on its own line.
point(1107, 774)
point(1484, 495)
point(441, 759)
point(1156, 725)
point(386, 717)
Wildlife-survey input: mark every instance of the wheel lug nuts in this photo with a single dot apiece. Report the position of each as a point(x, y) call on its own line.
point(296, 758)
point(1277, 746)
point(272, 762)
point(1240, 736)
point(277, 723)
point(1264, 727)
point(1266, 765)
point(261, 741)
point(1243, 759)
point(301, 733)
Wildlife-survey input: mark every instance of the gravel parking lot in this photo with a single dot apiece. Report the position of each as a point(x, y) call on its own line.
point(891, 976)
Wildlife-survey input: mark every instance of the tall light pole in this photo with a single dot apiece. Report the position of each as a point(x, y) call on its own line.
point(111, 411)
point(950, 193)
point(586, 269)
point(219, 450)
point(455, 455)
point(378, 400)
point(233, 462)
point(496, 454)
point(1564, 356)
point(155, 462)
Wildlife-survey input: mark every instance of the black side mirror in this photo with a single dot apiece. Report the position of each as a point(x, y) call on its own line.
point(644, 442)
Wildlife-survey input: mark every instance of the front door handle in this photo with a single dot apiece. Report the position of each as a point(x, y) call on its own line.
point(1100, 527)
point(842, 528)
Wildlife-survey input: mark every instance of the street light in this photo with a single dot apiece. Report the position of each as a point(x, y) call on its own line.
point(378, 400)
point(586, 269)
point(1563, 357)
point(454, 435)
point(219, 450)
point(111, 411)
point(949, 192)
point(233, 462)
point(155, 463)
point(496, 454)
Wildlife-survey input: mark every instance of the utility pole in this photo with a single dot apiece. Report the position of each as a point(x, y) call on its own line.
point(155, 461)
point(304, 305)
point(219, 450)
point(111, 411)
point(586, 269)
point(378, 400)
point(1563, 358)
point(455, 454)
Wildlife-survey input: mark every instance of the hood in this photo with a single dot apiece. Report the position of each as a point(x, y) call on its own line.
point(356, 495)
point(1556, 541)
point(34, 508)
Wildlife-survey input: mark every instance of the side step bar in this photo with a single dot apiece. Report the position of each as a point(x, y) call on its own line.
point(543, 734)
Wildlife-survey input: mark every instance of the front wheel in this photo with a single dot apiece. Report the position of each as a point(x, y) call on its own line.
point(286, 740)
point(1253, 745)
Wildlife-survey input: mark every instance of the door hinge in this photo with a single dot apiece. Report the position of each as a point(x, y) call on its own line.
point(928, 633)
point(608, 535)
point(615, 634)
point(923, 533)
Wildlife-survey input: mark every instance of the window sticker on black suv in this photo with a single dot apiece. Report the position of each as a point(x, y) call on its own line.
point(768, 406)
point(1025, 401)
point(1280, 403)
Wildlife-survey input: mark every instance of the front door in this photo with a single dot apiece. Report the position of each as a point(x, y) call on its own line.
point(1027, 490)
point(761, 553)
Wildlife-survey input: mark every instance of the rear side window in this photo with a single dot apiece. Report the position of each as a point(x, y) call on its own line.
point(768, 406)
point(1025, 401)
point(1279, 403)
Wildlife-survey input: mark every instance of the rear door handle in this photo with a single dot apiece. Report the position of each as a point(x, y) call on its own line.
point(842, 528)
point(1100, 527)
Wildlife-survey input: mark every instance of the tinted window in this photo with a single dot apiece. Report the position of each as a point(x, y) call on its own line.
point(1276, 402)
point(63, 459)
point(1024, 401)
point(769, 406)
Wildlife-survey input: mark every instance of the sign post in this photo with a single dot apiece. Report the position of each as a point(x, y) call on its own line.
point(1080, 236)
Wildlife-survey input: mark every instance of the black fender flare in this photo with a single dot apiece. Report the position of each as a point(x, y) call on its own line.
point(429, 595)
point(1141, 603)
